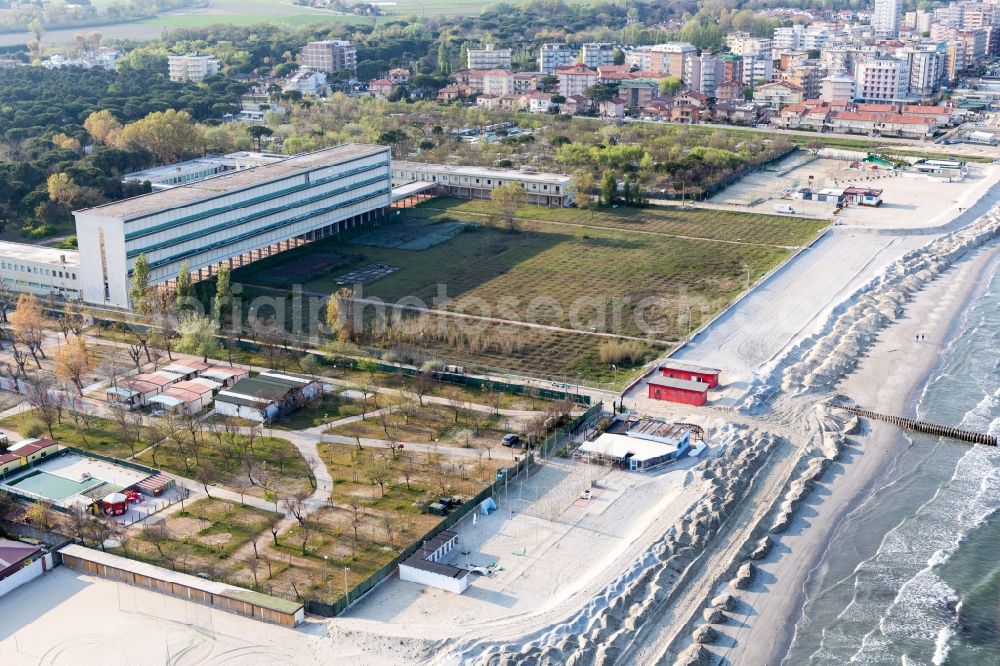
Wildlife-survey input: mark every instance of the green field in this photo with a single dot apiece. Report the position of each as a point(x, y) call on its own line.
point(581, 271)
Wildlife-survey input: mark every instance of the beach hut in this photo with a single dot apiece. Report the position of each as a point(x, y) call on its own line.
point(114, 504)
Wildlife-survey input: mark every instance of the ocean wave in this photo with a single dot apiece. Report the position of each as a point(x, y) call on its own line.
point(942, 646)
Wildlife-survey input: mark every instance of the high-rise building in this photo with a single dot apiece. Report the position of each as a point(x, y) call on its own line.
point(331, 55)
point(192, 67)
point(489, 58)
point(597, 54)
point(640, 58)
point(758, 69)
point(882, 79)
point(927, 68)
point(551, 56)
point(885, 18)
point(678, 59)
point(742, 44)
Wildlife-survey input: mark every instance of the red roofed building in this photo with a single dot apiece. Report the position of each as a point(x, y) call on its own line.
point(694, 373)
point(380, 87)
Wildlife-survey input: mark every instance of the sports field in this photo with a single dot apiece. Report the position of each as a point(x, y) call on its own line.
point(652, 274)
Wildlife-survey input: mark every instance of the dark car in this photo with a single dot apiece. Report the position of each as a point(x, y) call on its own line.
point(510, 439)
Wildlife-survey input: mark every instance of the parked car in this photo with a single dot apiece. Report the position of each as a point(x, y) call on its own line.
point(510, 439)
point(587, 494)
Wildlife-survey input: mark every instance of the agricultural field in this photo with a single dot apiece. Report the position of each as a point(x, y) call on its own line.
point(651, 274)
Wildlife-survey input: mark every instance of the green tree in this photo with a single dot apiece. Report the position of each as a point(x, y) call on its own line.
point(257, 132)
point(609, 188)
point(184, 290)
point(507, 198)
point(138, 292)
point(197, 335)
point(443, 66)
point(169, 135)
point(222, 306)
point(670, 85)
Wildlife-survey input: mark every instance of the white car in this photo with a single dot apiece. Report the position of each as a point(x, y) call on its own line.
point(587, 494)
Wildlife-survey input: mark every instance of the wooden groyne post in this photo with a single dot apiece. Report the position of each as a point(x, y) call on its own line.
point(922, 426)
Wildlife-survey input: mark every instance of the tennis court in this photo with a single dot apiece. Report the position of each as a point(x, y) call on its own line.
point(52, 487)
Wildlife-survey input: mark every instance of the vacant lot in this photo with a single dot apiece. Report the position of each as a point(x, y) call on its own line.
point(653, 274)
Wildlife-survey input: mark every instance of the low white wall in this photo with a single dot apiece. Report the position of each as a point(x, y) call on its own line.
point(414, 575)
point(14, 581)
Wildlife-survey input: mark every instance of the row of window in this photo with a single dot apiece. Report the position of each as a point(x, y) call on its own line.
point(35, 270)
point(465, 180)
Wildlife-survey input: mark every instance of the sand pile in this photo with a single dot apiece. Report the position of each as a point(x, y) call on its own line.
point(819, 361)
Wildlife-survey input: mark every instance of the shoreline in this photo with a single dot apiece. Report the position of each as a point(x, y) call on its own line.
point(882, 383)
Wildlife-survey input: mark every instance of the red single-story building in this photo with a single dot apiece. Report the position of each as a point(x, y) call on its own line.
point(678, 390)
point(692, 373)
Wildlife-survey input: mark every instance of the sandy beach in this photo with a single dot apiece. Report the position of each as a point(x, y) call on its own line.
point(886, 380)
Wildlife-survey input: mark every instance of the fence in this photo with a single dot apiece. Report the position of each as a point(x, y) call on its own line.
point(493, 490)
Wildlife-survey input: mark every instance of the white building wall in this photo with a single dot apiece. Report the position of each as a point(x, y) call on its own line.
point(431, 579)
point(16, 580)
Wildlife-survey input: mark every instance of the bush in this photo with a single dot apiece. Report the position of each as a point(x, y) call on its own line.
point(622, 352)
point(33, 429)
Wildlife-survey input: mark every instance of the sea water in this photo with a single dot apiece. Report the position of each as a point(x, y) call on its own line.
point(912, 576)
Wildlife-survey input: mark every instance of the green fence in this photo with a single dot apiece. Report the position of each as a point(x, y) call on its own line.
point(550, 444)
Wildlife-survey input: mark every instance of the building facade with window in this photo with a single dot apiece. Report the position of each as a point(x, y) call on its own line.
point(40, 270)
point(232, 219)
point(330, 55)
point(544, 189)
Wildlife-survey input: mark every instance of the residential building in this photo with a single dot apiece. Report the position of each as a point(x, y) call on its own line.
point(399, 75)
point(638, 92)
point(472, 78)
point(710, 75)
point(885, 18)
point(927, 67)
point(538, 102)
point(597, 54)
point(612, 108)
point(545, 189)
point(640, 58)
point(675, 59)
point(381, 88)
point(837, 88)
point(742, 44)
point(488, 101)
point(453, 93)
point(806, 77)
point(732, 67)
point(231, 219)
point(758, 69)
point(777, 95)
point(489, 57)
point(882, 79)
point(522, 82)
point(836, 59)
point(306, 81)
point(330, 55)
point(40, 270)
point(613, 74)
point(729, 91)
point(573, 80)
point(497, 81)
point(192, 67)
point(552, 56)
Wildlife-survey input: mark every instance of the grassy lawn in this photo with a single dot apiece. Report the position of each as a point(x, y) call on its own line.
point(203, 538)
point(648, 273)
point(90, 433)
point(233, 461)
point(385, 522)
point(431, 423)
point(694, 222)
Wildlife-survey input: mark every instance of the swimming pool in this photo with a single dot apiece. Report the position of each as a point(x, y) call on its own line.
point(52, 487)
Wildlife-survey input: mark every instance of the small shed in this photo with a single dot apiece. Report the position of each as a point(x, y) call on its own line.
point(139, 392)
point(187, 369)
point(863, 196)
point(694, 373)
point(225, 375)
point(678, 390)
point(204, 389)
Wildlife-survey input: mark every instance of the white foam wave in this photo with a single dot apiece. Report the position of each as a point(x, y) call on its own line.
point(942, 646)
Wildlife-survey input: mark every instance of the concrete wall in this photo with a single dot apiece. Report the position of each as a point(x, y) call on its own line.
point(27, 574)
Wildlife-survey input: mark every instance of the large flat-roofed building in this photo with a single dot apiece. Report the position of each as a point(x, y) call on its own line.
point(40, 270)
point(182, 173)
point(233, 218)
point(192, 67)
point(544, 189)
